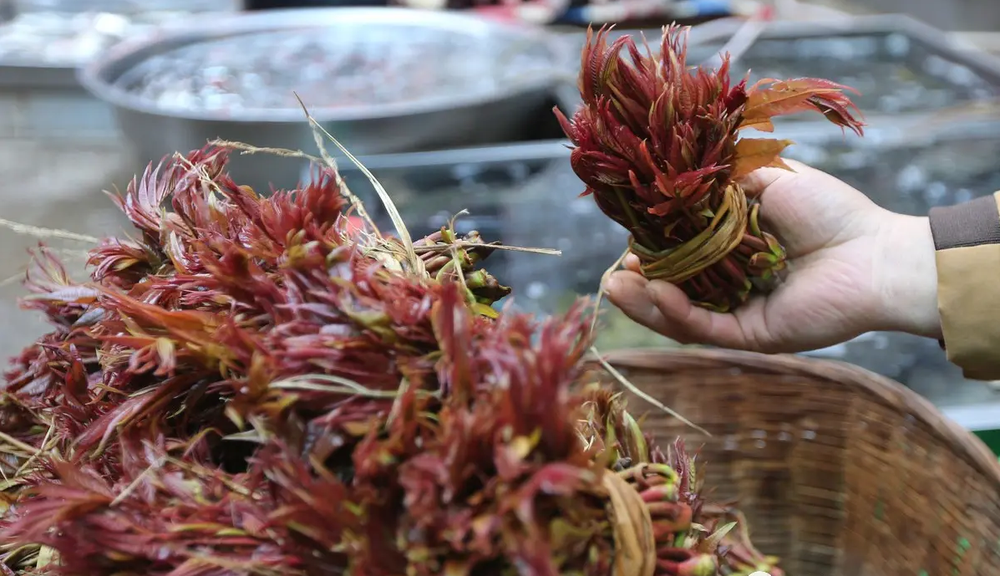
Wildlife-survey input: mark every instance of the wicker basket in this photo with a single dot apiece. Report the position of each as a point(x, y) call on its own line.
point(841, 472)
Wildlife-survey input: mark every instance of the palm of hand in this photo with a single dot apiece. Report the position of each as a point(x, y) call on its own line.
point(831, 234)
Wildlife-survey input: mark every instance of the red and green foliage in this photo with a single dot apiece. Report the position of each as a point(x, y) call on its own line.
point(253, 385)
point(659, 145)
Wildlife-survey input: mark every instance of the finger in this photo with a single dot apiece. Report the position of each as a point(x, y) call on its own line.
point(756, 182)
point(781, 214)
point(762, 178)
point(627, 291)
point(696, 323)
point(632, 263)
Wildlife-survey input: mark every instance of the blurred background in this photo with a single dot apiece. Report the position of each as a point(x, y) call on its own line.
point(449, 103)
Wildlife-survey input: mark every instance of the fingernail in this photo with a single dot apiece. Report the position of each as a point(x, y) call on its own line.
point(631, 263)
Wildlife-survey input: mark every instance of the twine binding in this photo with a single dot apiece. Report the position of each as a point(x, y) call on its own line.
point(635, 546)
point(709, 247)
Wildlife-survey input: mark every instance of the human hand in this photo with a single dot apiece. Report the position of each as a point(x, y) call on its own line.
point(853, 267)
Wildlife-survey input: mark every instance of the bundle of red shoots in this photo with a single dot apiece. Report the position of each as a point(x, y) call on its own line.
point(659, 145)
point(252, 385)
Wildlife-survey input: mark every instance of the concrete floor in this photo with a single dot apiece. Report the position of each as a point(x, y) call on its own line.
point(52, 185)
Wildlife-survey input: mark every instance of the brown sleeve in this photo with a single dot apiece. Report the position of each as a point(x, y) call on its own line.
point(967, 241)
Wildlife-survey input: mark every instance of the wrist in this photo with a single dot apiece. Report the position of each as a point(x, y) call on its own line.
point(906, 277)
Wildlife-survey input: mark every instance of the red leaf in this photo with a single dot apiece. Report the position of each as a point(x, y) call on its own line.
point(754, 153)
point(769, 98)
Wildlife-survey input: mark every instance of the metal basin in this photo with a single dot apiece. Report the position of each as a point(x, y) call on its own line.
point(490, 81)
point(900, 66)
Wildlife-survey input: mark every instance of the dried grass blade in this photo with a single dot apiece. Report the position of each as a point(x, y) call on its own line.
point(635, 390)
point(206, 473)
point(17, 444)
point(326, 160)
point(464, 244)
point(135, 483)
point(246, 436)
point(45, 448)
point(12, 279)
point(600, 290)
point(46, 233)
point(397, 220)
point(333, 384)
point(250, 149)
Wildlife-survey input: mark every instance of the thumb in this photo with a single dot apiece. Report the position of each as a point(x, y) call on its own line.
point(756, 182)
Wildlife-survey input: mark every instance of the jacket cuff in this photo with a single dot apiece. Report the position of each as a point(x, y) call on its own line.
point(967, 244)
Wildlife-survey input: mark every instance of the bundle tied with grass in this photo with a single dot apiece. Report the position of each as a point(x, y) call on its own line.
point(253, 385)
point(658, 144)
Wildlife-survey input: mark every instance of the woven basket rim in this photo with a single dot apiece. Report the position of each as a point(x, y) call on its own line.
point(963, 443)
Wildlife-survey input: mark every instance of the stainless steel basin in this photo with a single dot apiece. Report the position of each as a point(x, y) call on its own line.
point(447, 119)
point(901, 66)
